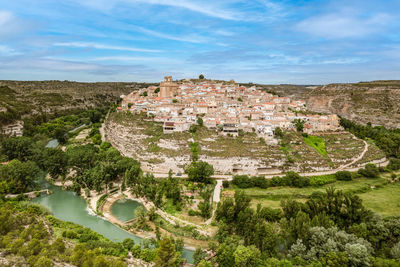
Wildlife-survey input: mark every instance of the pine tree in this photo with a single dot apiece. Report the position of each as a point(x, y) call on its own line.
point(166, 254)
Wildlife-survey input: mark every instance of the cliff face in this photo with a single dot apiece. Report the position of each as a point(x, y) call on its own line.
point(375, 102)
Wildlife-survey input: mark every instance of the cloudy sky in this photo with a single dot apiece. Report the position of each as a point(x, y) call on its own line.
point(265, 41)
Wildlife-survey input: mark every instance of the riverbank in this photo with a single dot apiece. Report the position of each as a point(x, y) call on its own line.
point(106, 214)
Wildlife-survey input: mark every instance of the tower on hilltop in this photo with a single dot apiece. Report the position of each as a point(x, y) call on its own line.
point(168, 88)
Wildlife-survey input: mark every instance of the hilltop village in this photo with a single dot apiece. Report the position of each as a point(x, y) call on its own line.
point(223, 106)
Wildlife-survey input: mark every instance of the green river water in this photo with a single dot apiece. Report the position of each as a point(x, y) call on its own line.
point(124, 209)
point(67, 206)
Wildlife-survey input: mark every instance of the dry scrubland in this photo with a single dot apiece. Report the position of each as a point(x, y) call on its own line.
point(23, 98)
point(376, 102)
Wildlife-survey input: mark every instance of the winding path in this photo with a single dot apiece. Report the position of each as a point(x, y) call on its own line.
point(216, 199)
point(29, 194)
point(366, 146)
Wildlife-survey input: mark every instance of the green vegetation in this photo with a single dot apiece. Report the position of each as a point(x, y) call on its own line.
point(200, 171)
point(283, 221)
point(33, 100)
point(39, 239)
point(317, 143)
point(386, 139)
point(299, 123)
point(298, 236)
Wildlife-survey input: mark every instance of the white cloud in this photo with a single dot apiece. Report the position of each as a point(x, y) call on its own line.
point(343, 25)
point(5, 17)
point(193, 38)
point(106, 47)
point(7, 51)
point(206, 8)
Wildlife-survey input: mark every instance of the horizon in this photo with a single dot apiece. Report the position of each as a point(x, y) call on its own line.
point(260, 41)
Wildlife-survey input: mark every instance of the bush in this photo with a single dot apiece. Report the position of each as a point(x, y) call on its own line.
point(192, 212)
point(260, 181)
point(294, 179)
point(343, 176)
point(225, 184)
point(242, 181)
point(323, 179)
point(394, 164)
point(370, 171)
point(70, 234)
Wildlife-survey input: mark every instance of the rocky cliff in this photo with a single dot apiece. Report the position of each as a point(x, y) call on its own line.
point(376, 102)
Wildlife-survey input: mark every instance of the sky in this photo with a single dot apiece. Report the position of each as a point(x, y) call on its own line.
point(261, 41)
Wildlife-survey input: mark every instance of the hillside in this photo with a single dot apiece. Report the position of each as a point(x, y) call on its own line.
point(296, 91)
point(376, 102)
point(23, 98)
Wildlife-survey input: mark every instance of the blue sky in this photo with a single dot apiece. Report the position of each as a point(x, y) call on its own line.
point(264, 41)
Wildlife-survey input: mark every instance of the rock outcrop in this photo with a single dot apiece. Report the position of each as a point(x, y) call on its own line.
point(375, 102)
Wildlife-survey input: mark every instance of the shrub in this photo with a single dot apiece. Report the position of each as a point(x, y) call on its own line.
point(225, 184)
point(294, 179)
point(192, 212)
point(394, 164)
point(322, 180)
point(343, 176)
point(242, 181)
point(260, 181)
point(370, 171)
point(70, 234)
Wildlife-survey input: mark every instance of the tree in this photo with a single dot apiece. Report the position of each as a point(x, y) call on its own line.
point(128, 243)
point(198, 256)
point(20, 176)
point(201, 76)
point(199, 171)
point(61, 134)
point(394, 164)
point(370, 170)
point(200, 121)
point(95, 116)
point(43, 262)
point(157, 90)
point(81, 158)
point(225, 252)
point(132, 175)
point(166, 254)
point(343, 176)
point(17, 148)
point(246, 256)
point(205, 206)
point(299, 123)
point(59, 245)
point(278, 132)
point(55, 162)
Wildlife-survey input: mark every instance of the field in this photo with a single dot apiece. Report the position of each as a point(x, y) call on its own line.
point(317, 143)
point(379, 194)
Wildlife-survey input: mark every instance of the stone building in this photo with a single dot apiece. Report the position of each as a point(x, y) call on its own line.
point(168, 88)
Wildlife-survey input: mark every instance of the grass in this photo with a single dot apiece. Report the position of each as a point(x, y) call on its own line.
point(384, 200)
point(317, 143)
point(271, 197)
point(170, 208)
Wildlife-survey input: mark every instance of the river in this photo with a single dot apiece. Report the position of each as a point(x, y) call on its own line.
point(67, 206)
point(124, 209)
